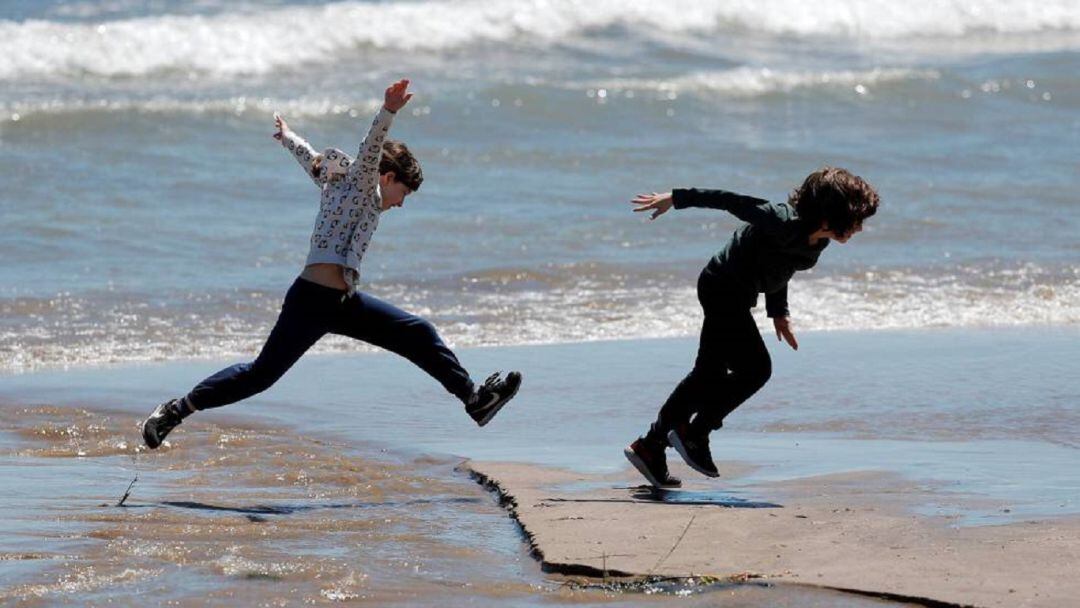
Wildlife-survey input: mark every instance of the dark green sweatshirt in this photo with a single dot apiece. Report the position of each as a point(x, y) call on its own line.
point(762, 254)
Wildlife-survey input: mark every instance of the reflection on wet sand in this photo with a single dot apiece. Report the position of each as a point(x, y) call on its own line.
point(264, 516)
point(219, 511)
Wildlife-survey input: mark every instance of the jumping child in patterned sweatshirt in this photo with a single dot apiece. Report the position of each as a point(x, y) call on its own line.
point(732, 363)
point(325, 299)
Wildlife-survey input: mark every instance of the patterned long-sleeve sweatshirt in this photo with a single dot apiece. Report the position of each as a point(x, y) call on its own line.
point(351, 202)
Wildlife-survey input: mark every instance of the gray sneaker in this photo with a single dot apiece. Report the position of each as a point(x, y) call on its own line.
point(164, 418)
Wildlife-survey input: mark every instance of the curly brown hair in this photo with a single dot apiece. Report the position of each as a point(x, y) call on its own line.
point(836, 197)
point(396, 157)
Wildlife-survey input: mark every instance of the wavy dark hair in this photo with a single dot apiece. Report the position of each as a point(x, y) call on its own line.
point(396, 157)
point(836, 197)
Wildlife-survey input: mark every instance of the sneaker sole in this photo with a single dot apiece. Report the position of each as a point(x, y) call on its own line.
point(639, 464)
point(495, 410)
point(673, 439)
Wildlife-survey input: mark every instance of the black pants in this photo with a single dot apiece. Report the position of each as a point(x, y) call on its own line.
point(311, 311)
point(732, 364)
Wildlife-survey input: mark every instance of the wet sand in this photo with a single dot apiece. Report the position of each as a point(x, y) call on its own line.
point(852, 532)
point(340, 483)
point(240, 514)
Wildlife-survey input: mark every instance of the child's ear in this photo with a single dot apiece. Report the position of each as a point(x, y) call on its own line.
point(389, 177)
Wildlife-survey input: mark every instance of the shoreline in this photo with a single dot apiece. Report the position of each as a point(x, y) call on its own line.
point(901, 428)
point(917, 403)
point(346, 347)
point(212, 520)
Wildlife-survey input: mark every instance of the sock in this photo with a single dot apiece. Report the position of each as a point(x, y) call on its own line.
point(183, 407)
point(473, 396)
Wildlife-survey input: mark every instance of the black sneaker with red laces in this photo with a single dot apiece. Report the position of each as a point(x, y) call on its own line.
point(649, 459)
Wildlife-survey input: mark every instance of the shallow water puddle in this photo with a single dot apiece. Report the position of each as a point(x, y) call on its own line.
point(224, 511)
point(266, 516)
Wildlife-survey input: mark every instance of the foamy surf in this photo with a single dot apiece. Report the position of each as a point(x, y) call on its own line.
point(741, 82)
point(238, 105)
point(747, 81)
point(92, 329)
point(283, 38)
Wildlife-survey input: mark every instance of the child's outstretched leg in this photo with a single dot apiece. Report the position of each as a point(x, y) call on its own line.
point(672, 424)
point(303, 320)
point(749, 367)
point(732, 364)
point(372, 320)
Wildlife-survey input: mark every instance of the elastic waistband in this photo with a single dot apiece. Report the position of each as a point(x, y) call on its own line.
point(725, 290)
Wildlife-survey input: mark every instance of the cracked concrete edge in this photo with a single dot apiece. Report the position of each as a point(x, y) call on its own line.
point(509, 502)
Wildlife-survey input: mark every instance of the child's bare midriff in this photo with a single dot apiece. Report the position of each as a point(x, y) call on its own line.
point(327, 275)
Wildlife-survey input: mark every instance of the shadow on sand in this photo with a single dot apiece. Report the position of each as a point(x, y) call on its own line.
point(646, 494)
point(255, 512)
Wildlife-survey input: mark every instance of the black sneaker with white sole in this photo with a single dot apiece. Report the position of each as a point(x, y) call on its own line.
point(694, 449)
point(164, 418)
point(492, 396)
point(649, 459)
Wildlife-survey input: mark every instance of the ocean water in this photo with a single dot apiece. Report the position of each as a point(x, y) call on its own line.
point(148, 219)
point(148, 215)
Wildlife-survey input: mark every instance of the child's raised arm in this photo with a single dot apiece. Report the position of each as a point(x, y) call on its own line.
point(747, 208)
point(365, 171)
point(301, 150)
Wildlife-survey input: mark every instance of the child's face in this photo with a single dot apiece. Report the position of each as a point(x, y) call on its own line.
point(854, 230)
point(393, 191)
point(842, 238)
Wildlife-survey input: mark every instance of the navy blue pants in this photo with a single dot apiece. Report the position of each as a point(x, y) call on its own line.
point(311, 311)
point(732, 364)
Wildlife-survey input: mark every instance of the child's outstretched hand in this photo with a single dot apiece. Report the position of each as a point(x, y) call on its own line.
point(280, 125)
point(657, 203)
point(783, 331)
point(397, 95)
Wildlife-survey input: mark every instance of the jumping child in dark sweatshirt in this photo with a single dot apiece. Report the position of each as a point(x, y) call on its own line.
point(732, 363)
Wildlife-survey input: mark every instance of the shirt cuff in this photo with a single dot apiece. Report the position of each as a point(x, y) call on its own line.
point(680, 198)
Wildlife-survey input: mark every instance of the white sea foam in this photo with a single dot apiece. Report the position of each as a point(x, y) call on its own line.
point(236, 105)
point(737, 82)
point(77, 330)
point(752, 82)
point(271, 39)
